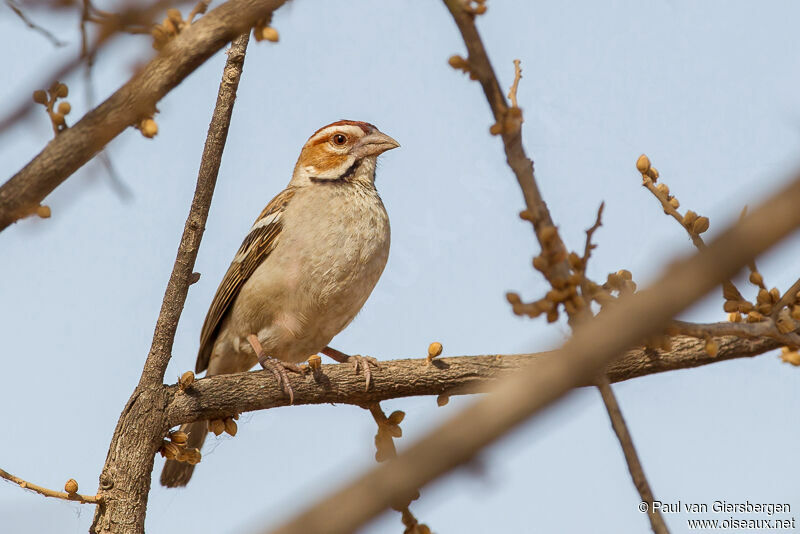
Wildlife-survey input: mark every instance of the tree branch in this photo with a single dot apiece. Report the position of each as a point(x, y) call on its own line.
point(225, 395)
point(73, 496)
point(133, 101)
point(555, 266)
point(125, 481)
point(594, 345)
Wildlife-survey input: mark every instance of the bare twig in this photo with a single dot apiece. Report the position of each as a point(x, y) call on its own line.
point(556, 268)
point(595, 344)
point(512, 93)
point(760, 329)
point(32, 25)
point(631, 456)
point(24, 484)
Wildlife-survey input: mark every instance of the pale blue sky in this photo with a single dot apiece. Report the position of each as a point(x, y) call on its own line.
point(707, 89)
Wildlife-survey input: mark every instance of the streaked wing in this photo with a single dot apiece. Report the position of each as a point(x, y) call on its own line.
point(255, 248)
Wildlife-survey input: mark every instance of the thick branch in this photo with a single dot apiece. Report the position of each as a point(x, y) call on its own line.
point(133, 101)
point(224, 395)
point(594, 346)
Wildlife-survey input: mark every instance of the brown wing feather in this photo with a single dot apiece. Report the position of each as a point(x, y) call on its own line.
point(255, 248)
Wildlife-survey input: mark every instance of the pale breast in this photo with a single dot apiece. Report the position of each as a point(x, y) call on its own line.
point(329, 256)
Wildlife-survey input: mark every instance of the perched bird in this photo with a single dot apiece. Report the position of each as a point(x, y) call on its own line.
point(310, 261)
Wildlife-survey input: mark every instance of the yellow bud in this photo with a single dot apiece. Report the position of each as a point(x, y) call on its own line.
point(178, 437)
point(315, 362)
point(575, 261)
point(64, 108)
point(791, 357)
point(663, 189)
point(40, 97)
point(149, 128)
point(217, 426)
point(457, 62)
point(796, 312)
point(62, 91)
point(730, 306)
point(775, 294)
point(540, 263)
point(757, 279)
point(186, 380)
point(763, 296)
point(58, 118)
point(230, 426)
point(674, 203)
point(169, 450)
point(43, 211)
point(712, 348)
point(513, 298)
point(396, 417)
point(625, 274)
point(745, 307)
point(552, 316)
point(270, 34)
point(689, 218)
point(71, 486)
point(754, 317)
point(700, 225)
point(764, 309)
point(734, 317)
point(496, 129)
point(643, 164)
point(442, 400)
point(434, 350)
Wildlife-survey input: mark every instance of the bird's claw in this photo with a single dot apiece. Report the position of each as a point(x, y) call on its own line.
point(277, 367)
point(364, 362)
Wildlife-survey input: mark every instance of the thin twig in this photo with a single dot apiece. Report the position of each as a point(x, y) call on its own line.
point(512, 93)
point(761, 329)
point(32, 25)
point(631, 455)
point(24, 484)
point(556, 268)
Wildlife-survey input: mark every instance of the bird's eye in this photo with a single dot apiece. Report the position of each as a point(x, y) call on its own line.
point(339, 139)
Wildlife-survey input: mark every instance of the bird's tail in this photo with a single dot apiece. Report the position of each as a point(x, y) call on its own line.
point(175, 473)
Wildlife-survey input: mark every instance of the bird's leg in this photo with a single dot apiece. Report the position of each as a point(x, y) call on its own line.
point(356, 360)
point(277, 367)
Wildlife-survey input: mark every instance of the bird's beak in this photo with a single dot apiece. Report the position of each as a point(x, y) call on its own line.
point(373, 144)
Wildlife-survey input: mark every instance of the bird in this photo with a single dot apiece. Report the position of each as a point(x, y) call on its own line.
point(304, 270)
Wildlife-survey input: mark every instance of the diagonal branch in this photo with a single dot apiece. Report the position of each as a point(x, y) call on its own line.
point(125, 481)
point(133, 101)
point(556, 268)
point(594, 345)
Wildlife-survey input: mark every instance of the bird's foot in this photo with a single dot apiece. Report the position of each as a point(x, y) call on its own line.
point(277, 367)
point(358, 362)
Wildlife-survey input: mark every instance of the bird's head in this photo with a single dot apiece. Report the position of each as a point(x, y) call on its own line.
point(340, 151)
